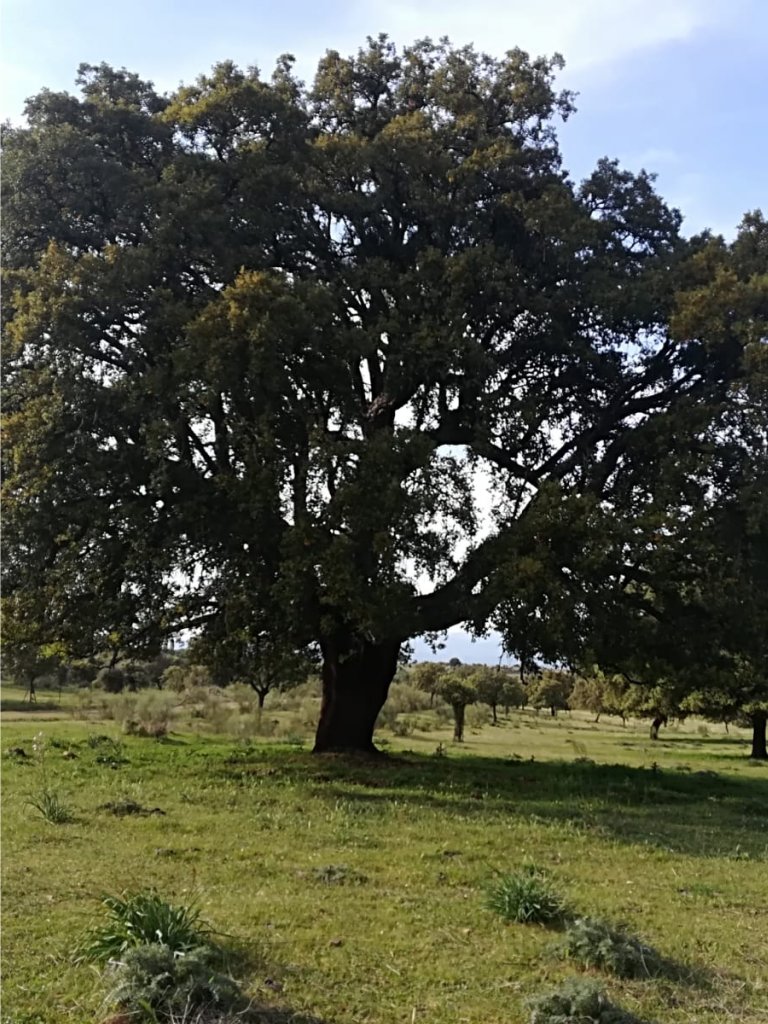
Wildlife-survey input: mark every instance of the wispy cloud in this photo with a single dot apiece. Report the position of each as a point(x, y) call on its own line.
point(588, 32)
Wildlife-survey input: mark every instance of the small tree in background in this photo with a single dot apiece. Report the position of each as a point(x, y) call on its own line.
point(489, 684)
point(513, 694)
point(551, 690)
point(458, 690)
point(600, 694)
point(426, 676)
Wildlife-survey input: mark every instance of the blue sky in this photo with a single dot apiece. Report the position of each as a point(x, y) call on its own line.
point(679, 87)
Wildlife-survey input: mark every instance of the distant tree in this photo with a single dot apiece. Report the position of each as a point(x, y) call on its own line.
point(457, 689)
point(600, 694)
point(490, 685)
point(551, 689)
point(259, 659)
point(426, 675)
point(513, 693)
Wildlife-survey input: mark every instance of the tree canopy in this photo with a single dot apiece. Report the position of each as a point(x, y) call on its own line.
point(360, 358)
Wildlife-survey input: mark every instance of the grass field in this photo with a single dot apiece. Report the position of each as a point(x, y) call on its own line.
point(357, 889)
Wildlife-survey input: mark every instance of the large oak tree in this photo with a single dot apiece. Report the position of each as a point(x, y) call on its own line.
point(360, 357)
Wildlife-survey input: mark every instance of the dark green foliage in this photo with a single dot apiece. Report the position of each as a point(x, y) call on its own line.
point(154, 983)
point(250, 326)
point(112, 680)
point(551, 690)
point(578, 1001)
point(594, 943)
point(526, 897)
point(141, 918)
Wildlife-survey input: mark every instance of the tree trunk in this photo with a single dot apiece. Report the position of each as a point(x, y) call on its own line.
point(493, 711)
point(458, 722)
point(553, 711)
point(759, 751)
point(656, 724)
point(356, 678)
point(261, 697)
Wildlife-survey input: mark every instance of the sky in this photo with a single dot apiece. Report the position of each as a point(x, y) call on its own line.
point(678, 87)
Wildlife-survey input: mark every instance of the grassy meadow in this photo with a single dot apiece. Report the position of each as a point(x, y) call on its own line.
point(356, 890)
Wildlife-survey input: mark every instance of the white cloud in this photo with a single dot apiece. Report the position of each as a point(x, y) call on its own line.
point(586, 32)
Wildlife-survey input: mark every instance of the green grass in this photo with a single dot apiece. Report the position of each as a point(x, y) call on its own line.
point(358, 889)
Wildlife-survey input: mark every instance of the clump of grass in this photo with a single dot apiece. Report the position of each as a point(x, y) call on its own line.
point(338, 874)
point(578, 1001)
point(143, 918)
point(595, 943)
point(526, 897)
point(153, 983)
point(51, 807)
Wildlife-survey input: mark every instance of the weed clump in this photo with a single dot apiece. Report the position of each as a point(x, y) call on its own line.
point(526, 897)
point(338, 874)
point(153, 983)
point(578, 1001)
point(594, 943)
point(51, 807)
point(144, 918)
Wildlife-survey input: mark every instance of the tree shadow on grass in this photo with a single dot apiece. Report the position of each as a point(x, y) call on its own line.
point(17, 704)
point(702, 815)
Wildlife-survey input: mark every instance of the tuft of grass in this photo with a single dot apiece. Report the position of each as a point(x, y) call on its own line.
point(153, 983)
point(578, 1001)
point(338, 874)
point(143, 918)
point(526, 897)
point(594, 943)
point(51, 807)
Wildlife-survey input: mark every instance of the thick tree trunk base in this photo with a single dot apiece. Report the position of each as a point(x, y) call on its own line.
point(356, 679)
point(759, 727)
point(656, 724)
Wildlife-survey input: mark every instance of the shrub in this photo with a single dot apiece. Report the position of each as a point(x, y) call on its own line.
point(577, 1001)
point(50, 806)
point(478, 716)
point(594, 943)
point(244, 696)
point(403, 726)
point(143, 918)
point(526, 897)
point(404, 698)
point(149, 714)
point(155, 984)
point(111, 680)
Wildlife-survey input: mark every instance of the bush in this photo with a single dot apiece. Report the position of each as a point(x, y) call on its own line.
point(577, 1002)
point(145, 714)
point(153, 983)
point(594, 943)
point(404, 699)
point(289, 700)
point(143, 918)
point(244, 696)
point(403, 726)
point(246, 727)
point(526, 897)
point(182, 676)
point(111, 680)
point(478, 716)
